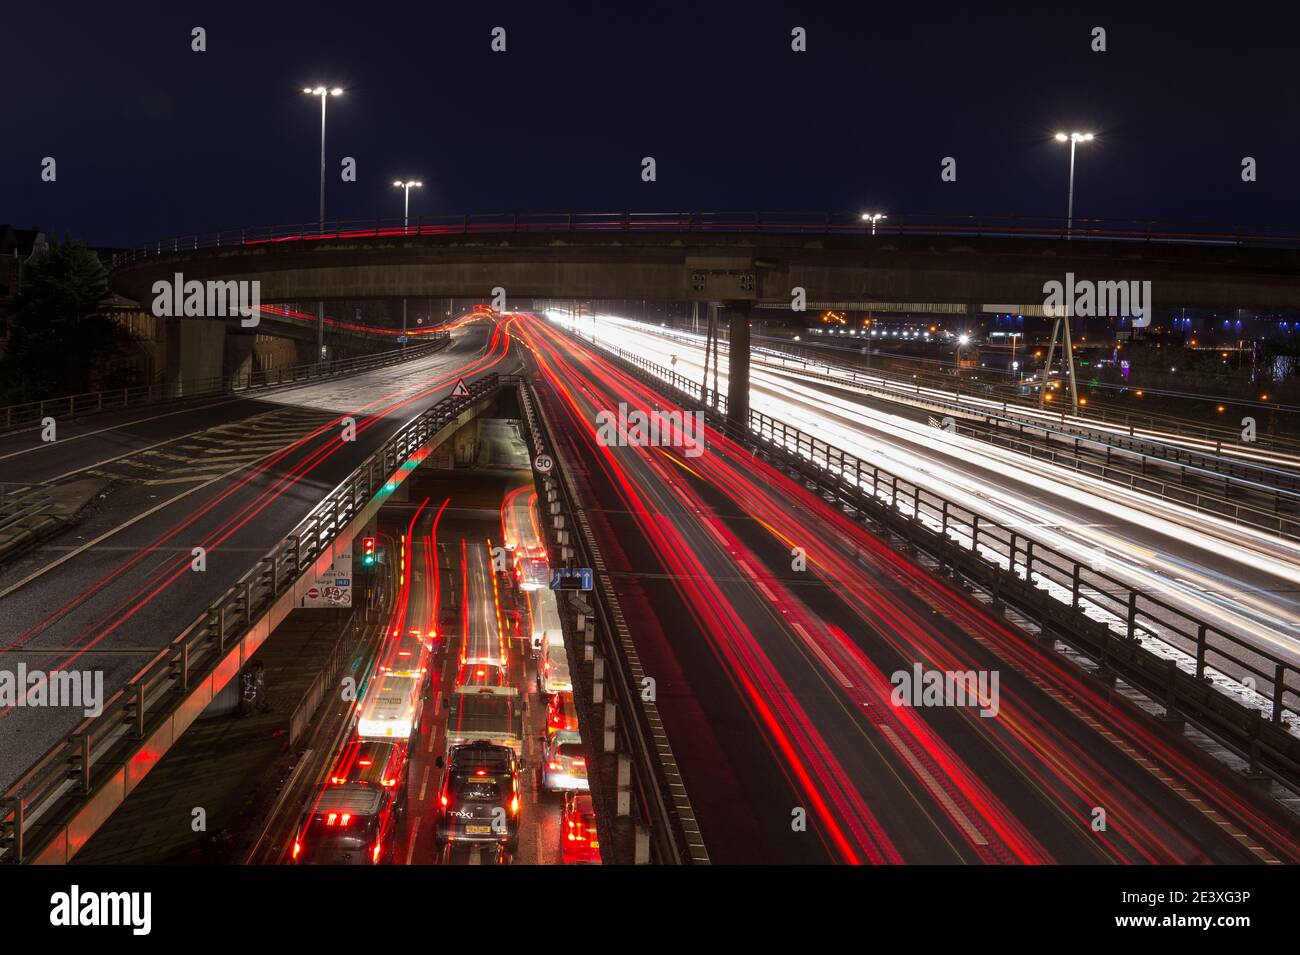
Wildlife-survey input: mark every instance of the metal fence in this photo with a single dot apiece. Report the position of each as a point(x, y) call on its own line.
point(813, 222)
point(93, 402)
point(53, 790)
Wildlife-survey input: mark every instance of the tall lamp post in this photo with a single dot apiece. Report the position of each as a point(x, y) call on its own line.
point(873, 218)
point(324, 93)
point(406, 188)
point(1073, 139)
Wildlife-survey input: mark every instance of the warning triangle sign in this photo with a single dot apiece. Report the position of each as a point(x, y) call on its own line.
point(460, 391)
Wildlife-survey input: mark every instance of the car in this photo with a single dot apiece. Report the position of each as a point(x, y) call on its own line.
point(378, 762)
point(579, 841)
point(478, 798)
point(347, 824)
point(561, 714)
point(564, 763)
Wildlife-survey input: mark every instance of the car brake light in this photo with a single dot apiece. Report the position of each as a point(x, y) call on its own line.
point(297, 848)
point(514, 804)
point(444, 802)
point(553, 765)
point(344, 821)
point(390, 782)
point(331, 818)
point(374, 855)
point(363, 762)
point(579, 762)
point(481, 772)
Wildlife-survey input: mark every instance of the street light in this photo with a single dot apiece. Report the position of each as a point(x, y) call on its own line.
point(407, 186)
point(324, 94)
point(406, 221)
point(873, 218)
point(1073, 139)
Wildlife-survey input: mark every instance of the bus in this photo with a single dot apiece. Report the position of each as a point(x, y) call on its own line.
point(486, 714)
point(394, 696)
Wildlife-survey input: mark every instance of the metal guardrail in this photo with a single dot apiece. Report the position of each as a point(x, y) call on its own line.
point(661, 797)
point(1278, 486)
point(1009, 391)
point(810, 223)
point(1149, 445)
point(51, 792)
point(93, 402)
point(1126, 630)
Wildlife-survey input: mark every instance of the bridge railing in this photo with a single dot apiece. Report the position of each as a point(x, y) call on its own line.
point(113, 399)
point(1245, 696)
point(97, 755)
point(813, 223)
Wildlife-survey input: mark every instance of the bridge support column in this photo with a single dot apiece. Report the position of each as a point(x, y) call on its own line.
point(196, 351)
point(738, 363)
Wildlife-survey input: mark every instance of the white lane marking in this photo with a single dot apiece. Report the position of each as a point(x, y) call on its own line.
point(811, 644)
point(424, 781)
point(410, 850)
point(932, 784)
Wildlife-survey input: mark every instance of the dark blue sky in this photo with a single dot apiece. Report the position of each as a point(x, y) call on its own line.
point(152, 139)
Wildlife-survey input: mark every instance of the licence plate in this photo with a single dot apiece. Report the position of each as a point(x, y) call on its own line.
point(478, 830)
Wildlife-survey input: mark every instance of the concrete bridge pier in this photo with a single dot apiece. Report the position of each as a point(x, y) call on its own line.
point(196, 354)
point(738, 313)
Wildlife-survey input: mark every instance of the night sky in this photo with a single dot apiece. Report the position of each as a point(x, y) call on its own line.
point(152, 139)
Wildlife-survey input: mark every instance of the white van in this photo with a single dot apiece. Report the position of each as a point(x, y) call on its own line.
point(545, 615)
point(553, 667)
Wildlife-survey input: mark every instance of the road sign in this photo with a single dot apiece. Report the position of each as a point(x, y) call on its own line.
point(460, 391)
point(401, 339)
point(571, 578)
point(313, 593)
point(543, 463)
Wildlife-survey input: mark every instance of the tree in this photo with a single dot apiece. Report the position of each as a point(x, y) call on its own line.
point(61, 343)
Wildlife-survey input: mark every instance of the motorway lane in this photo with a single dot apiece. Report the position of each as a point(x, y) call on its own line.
point(1244, 580)
point(1026, 786)
point(468, 590)
point(111, 606)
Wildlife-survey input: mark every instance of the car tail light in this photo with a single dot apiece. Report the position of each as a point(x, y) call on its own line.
point(331, 818)
point(374, 854)
point(347, 816)
point(389, 782)
point(444, 802)
point(578, 761)
point(297, 848)
point(363, 762)
point(553, 765)
point(514, 804)
point(337, 780)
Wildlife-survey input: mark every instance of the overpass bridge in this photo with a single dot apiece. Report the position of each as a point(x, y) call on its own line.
point(739, 259)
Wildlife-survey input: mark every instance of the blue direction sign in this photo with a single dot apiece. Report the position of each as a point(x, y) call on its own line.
point(571, 578)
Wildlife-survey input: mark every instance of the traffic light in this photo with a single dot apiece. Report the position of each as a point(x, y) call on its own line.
point(367, 552)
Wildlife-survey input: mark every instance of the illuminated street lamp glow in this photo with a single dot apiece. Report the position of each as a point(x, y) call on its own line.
point(324, 94)
point(1073, 139)
point(873, 218)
